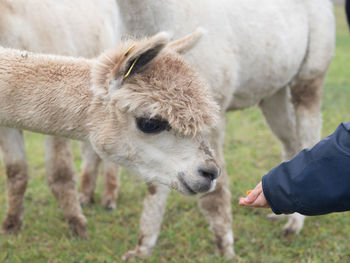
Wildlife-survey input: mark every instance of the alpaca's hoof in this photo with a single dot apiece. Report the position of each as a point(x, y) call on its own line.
point(227, 252)
point(224, 245)
point(139, 252)
point(109, 203)
point(85, 199)
point(294, 224)
point(78, 226)
point(131, 254)
point(11, 225)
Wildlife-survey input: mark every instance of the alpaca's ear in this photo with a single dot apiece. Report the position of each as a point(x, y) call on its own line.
point(184, 44)
point(139, 55)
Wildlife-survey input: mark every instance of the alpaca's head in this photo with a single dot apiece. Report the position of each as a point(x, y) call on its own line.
point(157, 111)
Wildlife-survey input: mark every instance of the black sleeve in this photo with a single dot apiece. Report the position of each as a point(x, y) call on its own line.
point(347, 10)
point(316, 181)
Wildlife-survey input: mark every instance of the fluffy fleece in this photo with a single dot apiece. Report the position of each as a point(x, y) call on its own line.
point(191, 110)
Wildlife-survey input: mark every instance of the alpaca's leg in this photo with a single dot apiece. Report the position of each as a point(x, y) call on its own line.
point(111, 185)
point(60, 174)
point(89, 175)
point(216, 205)
point(306, 98)
point(152, 216)
point(280, 116)
point(306, 89)
point(14, 157)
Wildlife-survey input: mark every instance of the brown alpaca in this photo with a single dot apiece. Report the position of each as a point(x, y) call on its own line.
point(139, 105)
point(28, 25)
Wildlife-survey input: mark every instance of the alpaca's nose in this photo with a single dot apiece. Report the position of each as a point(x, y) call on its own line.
point(210, 171)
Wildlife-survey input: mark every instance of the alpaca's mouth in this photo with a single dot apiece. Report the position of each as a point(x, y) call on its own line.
point(182, 180)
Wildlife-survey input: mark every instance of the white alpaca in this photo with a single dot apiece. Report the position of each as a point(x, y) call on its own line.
point(139, 105)
point(76, 28)
point(270, 53)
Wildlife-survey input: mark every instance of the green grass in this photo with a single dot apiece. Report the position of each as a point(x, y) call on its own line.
point(250, 152)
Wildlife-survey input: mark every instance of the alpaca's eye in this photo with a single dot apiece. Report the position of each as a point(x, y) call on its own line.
point(152, 125)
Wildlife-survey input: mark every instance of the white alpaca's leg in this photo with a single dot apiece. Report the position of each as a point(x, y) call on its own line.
point(111, 175)
point(14, 157)
point(60, 174)
point(280, 115)
point(216, 205)
point(151, 219)
point(89, 174)
point(306, 97)
point(306, 90)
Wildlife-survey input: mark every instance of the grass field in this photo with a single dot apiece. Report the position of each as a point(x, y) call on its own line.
point(250, 152)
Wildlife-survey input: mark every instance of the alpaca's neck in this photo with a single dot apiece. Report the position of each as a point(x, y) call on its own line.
point(45, 94)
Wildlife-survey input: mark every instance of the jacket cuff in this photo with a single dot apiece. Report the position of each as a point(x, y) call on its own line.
point(278, 188)
point(267, 194)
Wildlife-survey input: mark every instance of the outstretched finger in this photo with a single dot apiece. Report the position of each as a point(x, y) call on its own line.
point(254, 194)
point(260, 201)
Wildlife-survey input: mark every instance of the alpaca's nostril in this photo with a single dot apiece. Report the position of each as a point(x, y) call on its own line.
point(209, 172)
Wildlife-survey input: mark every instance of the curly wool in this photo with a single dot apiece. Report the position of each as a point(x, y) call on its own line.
point(168, 87)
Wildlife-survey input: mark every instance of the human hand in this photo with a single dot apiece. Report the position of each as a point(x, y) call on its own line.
point(255, 198)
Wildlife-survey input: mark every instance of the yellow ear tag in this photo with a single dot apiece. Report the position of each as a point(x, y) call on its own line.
point(128, 50)
point(131, 67)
